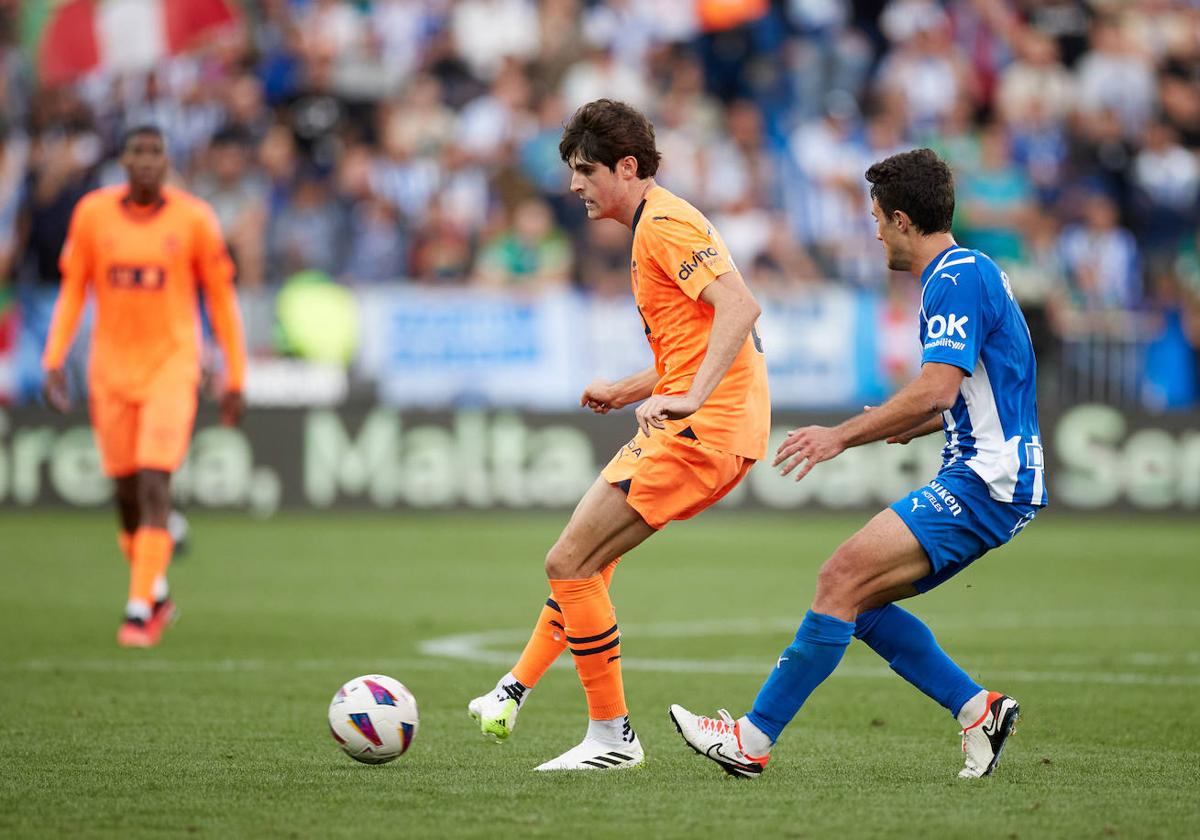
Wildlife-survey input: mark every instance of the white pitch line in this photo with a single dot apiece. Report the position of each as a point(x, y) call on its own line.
point(487, 649)
point(478, 648)
point(505, 658)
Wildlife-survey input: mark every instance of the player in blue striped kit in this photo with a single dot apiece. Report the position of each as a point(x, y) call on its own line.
point(978, 385)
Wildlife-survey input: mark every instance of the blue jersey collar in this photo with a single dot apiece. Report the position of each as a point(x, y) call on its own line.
point(928, 270)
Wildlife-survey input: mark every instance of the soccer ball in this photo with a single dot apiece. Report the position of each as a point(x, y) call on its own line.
point(373, 718)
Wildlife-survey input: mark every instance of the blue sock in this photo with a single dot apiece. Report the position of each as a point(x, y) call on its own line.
point(910, 648)
point(803, 665)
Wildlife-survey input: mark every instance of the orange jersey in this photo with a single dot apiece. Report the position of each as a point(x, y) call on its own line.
point(676, 254)
point(145, 266)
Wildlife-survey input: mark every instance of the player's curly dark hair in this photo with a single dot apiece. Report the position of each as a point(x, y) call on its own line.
point(605, 131)
point(918, 183)
point(143, 129)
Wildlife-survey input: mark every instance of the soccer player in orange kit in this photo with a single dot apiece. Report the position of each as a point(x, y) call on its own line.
point(704, 422)
point(145, 249)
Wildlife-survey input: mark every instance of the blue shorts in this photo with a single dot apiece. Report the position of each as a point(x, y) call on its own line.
point(956, 521)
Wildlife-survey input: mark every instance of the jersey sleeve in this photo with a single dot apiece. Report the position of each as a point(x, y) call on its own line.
point(954, 319)
point(687, 251)
point(215, 271)
point(76, 263)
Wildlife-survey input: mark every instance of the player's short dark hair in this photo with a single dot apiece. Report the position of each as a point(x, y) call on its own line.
point(605, 131)
point(918, 183)
point(140, 131)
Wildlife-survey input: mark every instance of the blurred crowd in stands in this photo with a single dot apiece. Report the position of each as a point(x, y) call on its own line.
point(418, 141)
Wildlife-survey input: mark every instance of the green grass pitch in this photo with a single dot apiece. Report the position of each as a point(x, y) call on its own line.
point(1092, 623)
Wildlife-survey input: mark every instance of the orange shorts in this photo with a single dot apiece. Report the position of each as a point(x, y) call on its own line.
point(668, 477)
point(150, 434)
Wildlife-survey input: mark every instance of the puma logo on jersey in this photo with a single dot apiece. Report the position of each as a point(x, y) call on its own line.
point(953, 277)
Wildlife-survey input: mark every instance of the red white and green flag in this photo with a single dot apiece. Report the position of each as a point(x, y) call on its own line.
point(71, 38)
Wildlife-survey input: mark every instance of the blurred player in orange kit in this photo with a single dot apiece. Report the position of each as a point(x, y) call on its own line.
point(145, 249)
point(704, 422)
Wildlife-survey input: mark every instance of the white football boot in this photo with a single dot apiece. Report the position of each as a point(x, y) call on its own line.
point(496, 712)
point(720, 740)
point(597, 753)
point(983, 741)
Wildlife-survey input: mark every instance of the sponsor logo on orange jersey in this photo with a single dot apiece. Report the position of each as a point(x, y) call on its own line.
point(700, 257)
point(151, 277)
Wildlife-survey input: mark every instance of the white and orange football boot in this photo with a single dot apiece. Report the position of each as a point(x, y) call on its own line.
point(983, 741)
point(720, 740)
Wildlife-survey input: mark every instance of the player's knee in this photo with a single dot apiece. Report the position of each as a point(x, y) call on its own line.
point(127, 491)
point(567, 561)
point(831, 584)
point(839, 582)
point(558, 565)
point(154, 497)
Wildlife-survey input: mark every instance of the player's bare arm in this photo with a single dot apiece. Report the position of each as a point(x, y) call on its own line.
point(216, 278)
point(602, 396)
point(918, 403)
point(930, 426)
point(232, 406)
point(734, 312)
point(934, 424)
point(72, 295)
point(55, 390)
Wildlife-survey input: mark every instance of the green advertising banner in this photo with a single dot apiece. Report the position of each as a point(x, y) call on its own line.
point(1098, 458)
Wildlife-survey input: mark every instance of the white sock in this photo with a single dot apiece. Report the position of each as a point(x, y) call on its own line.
point(137, 609)
point(973, 709)
point(160, 588)
point(615, 731)
point(510, 687)
point(754, 741)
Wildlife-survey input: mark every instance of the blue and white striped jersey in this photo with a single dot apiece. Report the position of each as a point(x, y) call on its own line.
point(969, 319)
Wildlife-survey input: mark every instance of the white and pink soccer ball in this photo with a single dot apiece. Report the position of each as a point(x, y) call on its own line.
point(373, 718)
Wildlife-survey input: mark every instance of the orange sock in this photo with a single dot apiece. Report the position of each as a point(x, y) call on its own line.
point(125, 541)
point(549, 638)
point(595, 641)
point(607, 574)
point(151, 555)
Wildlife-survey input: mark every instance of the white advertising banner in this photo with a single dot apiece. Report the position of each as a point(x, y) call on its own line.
point(436, 348)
